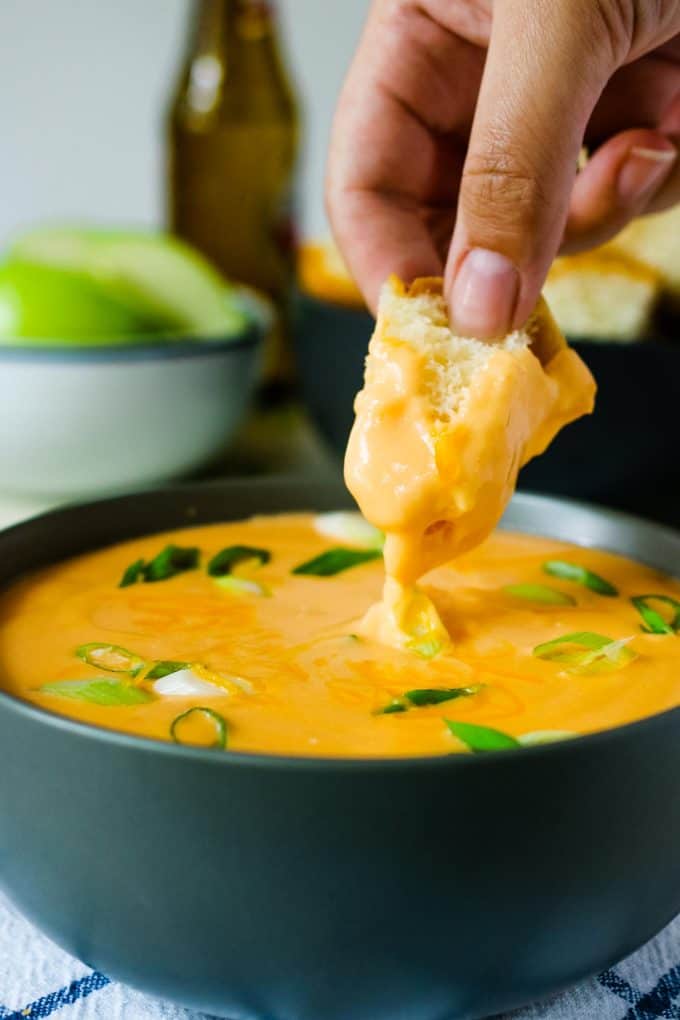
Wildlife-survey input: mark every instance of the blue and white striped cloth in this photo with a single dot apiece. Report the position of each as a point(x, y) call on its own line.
point(37, 980)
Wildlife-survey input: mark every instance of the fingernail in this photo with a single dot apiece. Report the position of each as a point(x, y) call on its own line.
point(643, 172)
point(484, 294)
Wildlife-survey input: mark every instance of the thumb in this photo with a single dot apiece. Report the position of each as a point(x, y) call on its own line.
point(547, 64)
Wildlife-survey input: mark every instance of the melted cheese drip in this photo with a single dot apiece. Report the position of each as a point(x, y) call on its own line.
point(436, 483)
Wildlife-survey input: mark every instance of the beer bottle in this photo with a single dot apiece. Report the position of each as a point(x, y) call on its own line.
point(233, 134)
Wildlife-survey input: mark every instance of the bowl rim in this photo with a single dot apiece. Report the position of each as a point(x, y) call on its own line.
point(310, 763)
point(257, 307)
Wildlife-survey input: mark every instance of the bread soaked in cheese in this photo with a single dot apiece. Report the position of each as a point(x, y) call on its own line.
point(443, 425)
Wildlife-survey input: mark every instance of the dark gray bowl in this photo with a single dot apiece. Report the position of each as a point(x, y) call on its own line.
point(619, 456)
point(273, 888)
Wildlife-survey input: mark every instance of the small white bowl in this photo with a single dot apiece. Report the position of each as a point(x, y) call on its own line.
point(79, 421)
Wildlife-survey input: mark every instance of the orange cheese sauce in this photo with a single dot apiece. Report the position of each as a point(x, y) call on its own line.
point(315, 686)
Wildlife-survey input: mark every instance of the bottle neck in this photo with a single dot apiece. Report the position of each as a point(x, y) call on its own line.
point(234, 67)
point(220, 24)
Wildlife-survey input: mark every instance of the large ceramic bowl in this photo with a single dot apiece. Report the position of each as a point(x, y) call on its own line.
point(79, 421)
point(274, 888)
point(619, 456)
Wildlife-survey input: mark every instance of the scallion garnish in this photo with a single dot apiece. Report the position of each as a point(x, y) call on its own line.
point(334, 561)
point(586, 652)
point(480, 739)
point(99, 691)
point(171, 561)
point(436, 695)
point(421, 697)
point(581, 575)
point(393, 708)
point(540, 593)
point(218, 726)
point(132, 573)
point(241, 585)
point(224, 561)
point(187, 683)
point(165, 668)
point(544, 737)
point(427, 649)
point(654, 622)
point(112, 658)
point(350, 528)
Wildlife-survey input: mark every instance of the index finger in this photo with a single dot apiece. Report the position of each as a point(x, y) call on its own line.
point(380, 230)
point(396, 156)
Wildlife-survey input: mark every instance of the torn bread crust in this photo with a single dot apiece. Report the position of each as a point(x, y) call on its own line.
point(444, 423)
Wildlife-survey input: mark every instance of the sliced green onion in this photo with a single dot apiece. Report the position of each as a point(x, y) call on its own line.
point(171, 561)
point(100, 691)
point(241, 585)
point(165, 668)
point(540, 593)
point(586, 652)
point(219, 724)
point(392, 708)
point(187, 683)
point(334, 561)
point(132, 574)
point(480, 739)
point(437, 695)
point(224, 561)
point(654, 622)
point(350, 528)
point(421, 697)
point(581, 575)
point(427, 649)
point(112, 658)
point(544, 737)
point(582, 639)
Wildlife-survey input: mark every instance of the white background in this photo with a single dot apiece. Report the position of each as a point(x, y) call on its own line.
point(83, 90)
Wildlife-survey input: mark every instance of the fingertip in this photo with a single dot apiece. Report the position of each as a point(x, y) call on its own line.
point(483, 294)
point(618, 182)
point(644, 170)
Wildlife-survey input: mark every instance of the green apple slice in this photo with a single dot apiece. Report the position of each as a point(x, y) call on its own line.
point(157, 276)
point(43, 305)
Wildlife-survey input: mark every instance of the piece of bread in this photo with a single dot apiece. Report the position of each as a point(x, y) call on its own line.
point(604, 294)
point(444, 423)
point(655, 241)
point(322, 274)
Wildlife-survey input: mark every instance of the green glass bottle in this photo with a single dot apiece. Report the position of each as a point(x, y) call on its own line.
point(233, 139)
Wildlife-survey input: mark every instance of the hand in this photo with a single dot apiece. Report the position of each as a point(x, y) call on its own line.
point(452, 116)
